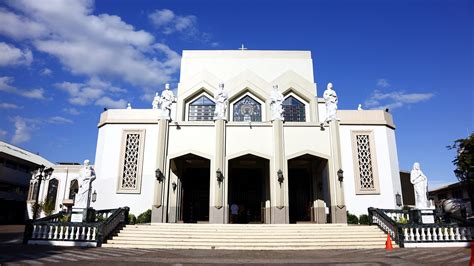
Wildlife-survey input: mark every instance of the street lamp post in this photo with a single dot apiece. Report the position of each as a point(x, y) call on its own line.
point(41, 174)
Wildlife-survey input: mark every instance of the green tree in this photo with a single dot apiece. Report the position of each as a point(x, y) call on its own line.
point(464, 162)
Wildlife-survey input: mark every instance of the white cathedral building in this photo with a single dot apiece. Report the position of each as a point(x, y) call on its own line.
point(224, 145)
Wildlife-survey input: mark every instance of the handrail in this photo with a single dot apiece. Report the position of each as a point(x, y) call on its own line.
point(387, 224)
point(414, 231)
point(51, 229)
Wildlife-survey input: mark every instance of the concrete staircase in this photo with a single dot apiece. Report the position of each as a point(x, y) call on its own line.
point(249, 236)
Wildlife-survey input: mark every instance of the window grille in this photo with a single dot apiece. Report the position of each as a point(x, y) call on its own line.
point(365, 164)
point(201, 109)
point(131, 162)
point(294, 110)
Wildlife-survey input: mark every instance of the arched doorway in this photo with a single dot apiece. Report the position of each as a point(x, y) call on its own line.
point(191, 185)
point(307, 183)
point(248, 188)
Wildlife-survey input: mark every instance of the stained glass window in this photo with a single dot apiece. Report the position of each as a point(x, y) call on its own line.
point(294, 110)
point(247, 109)
point(52, 191)
point(201, 109)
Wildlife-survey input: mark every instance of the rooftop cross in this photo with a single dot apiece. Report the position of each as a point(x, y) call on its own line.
point(242, 48)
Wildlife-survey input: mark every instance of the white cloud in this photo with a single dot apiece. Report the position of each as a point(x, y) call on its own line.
point(23, 130)
point(109, 103)
point(9, 106)
point(395, 99)
point(383, 83)
point(6, 87)
point(93, 45)
point(59, 120)
point(72, 111)
point(92, 92)
point(18, 27)
point(3, 134)
point(46, 72)
point(10, 55)
point(161, 17)
point(169, 22)
point(25, 127)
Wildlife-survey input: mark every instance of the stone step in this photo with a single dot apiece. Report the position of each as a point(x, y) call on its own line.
point(250, 234)
point(249, 237)
point(244, 240)
point(250, 246)
point(155, 228)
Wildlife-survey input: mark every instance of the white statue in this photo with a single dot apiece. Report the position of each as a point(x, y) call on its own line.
point(420, 183)
point(156, 101)
point(330, 97)
point(167, 99)
point(86, 176)
point(129, 106)
point(276, 101)
point(360, 107)
point(221, 99)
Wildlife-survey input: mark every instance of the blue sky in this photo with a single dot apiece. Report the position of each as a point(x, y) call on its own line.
point(62, 62)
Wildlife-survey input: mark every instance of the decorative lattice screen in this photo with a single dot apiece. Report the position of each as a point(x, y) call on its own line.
point(365, 162)
point(131, 162)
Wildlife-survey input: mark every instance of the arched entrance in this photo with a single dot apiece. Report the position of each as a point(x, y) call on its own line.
point(190, 178)
point(248, 188)
point(307, 185)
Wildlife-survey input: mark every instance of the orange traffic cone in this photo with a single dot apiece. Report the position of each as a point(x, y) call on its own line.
point(388, 243)
point(472, 254)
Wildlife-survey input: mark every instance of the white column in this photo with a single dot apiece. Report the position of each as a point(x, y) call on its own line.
point(158, 209)
point(338, 206)
point(217, 211)
point(279, 209)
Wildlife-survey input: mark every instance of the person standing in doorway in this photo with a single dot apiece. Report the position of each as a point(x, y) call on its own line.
point(234, 211)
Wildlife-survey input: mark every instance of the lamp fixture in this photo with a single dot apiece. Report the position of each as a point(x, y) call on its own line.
point(280, 176)
point(340, 175)
point(94, 196)
point(219, 175)
point(159, 175)
point(398, 199)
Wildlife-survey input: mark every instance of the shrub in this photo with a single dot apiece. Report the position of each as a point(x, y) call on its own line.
point(36, 209)
point(352, 219)
point(144, 217)
point(48, 207)
point(132, 219)
point(364, 219)
point(64, 218)
point(402, 220)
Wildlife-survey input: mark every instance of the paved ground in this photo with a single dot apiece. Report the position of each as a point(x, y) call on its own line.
point(12, 253)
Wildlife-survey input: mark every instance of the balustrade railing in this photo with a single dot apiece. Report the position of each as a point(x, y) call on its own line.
point(52, 230)
point(405, 227)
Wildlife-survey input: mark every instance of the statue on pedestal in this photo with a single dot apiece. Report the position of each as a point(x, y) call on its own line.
point(167, 99)
point(276, 101)
point(221, 99)
point(330, 97)
point(420, 184)
point(156, 101)
point(85, 179)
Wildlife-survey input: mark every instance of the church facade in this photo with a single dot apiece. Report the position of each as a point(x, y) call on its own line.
point(188, 166)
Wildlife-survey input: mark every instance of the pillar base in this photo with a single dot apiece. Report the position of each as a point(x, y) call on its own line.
point(319, 215)
point(217, 216)
point(279, 215)
point(338, 215)
point(157, 214)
